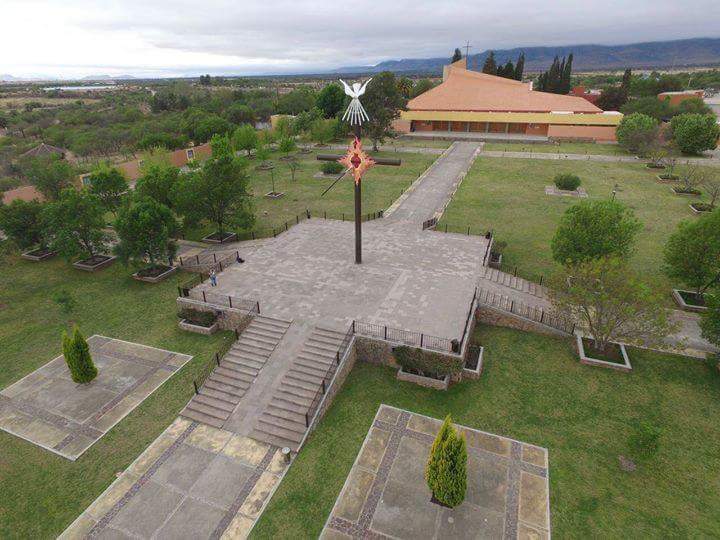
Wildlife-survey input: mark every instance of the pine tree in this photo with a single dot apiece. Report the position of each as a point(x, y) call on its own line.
point(456, 56)
point(507, 71)
point(519, 67)
point(566, 76)
point(446, 471)
point(78, 358)
point(433, 464)
point(490, 66)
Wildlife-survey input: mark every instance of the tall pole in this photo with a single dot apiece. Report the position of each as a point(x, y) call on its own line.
point(358, 210)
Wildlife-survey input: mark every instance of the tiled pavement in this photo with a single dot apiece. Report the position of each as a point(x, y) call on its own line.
point(194, 481)
point(48, 409)
point(386, 496)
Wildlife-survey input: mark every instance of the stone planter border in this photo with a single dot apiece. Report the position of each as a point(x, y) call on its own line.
point(428, 382)
point(497, 264)
point(274, 194)
point(667, 179)
point(155, 279)
point(229, 238)
point(696, 194)
point(205, 330)
point(28, 255)
point(587, 360)
point(696, 211)
point(80, 265)
point(468, 373)
point(579, 193)
point(680, 301)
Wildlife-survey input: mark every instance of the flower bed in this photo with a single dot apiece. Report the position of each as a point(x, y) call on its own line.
point(689, 301)
point(436, 381)
point(200, 322)
point(678, 190)
point(667, 177)
point(92, 264)
point(426, 368)
point(38, 254)
point(615, 357)
point(473, 362)
point(220, 238)
point(700, 207)
point(274, 194)
point(154, 274)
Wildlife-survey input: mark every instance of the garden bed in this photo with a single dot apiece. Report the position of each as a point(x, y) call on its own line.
point(654, 166)
point(579, 193)
point(689, 301)
point(265, 167)
point(701, 207)
point(667, 177)
point(39, 254)
point(220, 238)
point(615, 357)
point(274, 194)
point(94, 263)
point(495, 260)
point(438, 382)
point(154, 274)
point(680, 191)
point(473, 362)
point(184, 324)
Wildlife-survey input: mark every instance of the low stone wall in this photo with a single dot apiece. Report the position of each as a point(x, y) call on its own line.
point(495, 317)
point(428, 382)
point(229, 318)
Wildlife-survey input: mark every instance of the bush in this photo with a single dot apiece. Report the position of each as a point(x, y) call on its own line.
point(77, 357)
point(446, 470)
point(423, 362)
point(331, 167)
point(695, 133)
point(197, 317)
point(7, 183)
point(645, 441)
point(567, 181)
point(637, 132)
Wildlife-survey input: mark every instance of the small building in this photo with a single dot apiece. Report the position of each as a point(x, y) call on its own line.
point(591, 95)
point(43, 150)
point(675, 98)
point(487, 106)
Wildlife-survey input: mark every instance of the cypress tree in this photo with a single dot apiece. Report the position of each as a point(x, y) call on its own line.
point(519, 67)
point(566, 75)
point(446, 471)
point(77, 357)
point(434, 461)
point(456, 56)
point(507, 71)
point(490, 66)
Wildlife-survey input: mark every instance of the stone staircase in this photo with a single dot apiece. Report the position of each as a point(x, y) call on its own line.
point(238, 369)
point(513, 282)
point(283, 422)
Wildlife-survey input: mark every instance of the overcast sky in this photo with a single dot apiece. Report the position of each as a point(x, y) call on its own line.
point(73, 38)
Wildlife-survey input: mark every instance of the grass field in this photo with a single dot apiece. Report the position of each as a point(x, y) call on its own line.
point(41, 492)
point(380, 187)
point(508, 196)
point(560, 148)
point(533, 389)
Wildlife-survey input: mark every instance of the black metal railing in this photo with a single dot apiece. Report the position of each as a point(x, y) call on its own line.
point(469, 317)
point(224, 300)
point(405, 337)
point(328, 377)
point(205, 262)
point(534, 313)
point(214, 361)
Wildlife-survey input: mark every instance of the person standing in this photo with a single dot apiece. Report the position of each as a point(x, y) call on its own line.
point(213, 278)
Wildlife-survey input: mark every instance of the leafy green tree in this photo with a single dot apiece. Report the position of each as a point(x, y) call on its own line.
point(457, 55)
point(695, 133)
point(209, 126)
point(50, 175)
point(157, 182)
point(637, 132)
point(302, 122)
point(145, 229)
point(217, 191)
point(383, 103)
point(490, 65)
point(108, 184)
point(77, 357)
point(606, 298)
point(422, 86)
point(323, 131)
point(168, 141)
point(262, 152)
point(294, 165)
point(692, 253)
point(594, 229)
point(76, 220)
point(245, 138)
point(612, 98)
point(331, 100)
point(650, 106)
point(710, 319)
point(239, 113)
point(693, 106)
point(287, 145)
point(22, 222)
point(405, 85)
point(297, 101)
point(520, 67)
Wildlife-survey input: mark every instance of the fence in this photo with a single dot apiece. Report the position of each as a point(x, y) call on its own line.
point(406, 337)
point(328, 377)
point(468, 319)
point(215, 361)
point(225, 300)
point(208, 261)
point(533, 313)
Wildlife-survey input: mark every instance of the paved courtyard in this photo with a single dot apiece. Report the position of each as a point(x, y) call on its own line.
point(194, 481)
point(48, 409)
point(386, 496)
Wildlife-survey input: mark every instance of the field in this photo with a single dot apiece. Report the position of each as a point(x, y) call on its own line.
point(533, 389)
point(41, 492)
point(560, 148)
point(19, 102)
point(508, 195)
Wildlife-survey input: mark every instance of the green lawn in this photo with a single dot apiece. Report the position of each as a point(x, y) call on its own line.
point(42, 493)
point(508, 195)
point(533, 389)
point(380, 187)
point(560, 148)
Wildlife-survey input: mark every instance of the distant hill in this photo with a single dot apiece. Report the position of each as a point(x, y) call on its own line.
point(656, 54)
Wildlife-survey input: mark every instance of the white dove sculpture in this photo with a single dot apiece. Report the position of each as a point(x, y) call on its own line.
point(355, 112)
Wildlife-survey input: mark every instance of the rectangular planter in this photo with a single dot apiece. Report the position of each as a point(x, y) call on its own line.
point(33, 255)
point(229, 237)
point(495, 263)
point(696, 211)
point(155, 279)
point(205, 330)
point(696, 194)
point(660, 179)
point(587, 360)
point(474, 373)
point(93, 267)
point(680, 301)
point(428, 382)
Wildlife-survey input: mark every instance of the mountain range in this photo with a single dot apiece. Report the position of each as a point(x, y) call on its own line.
point(656, 54)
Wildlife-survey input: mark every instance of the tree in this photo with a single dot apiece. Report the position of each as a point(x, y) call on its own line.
point(457, 55)
point(331, 100)
point(245, 138)
point(695, 133)
point(692, 253)
point(650, 106)
point(158, 182)
point(507, 71)
point(422, 86)
point(323, 131)
point(145, 229)
point(108, 184)
point(77, 357)
point(693, 105)
point(490, 66)
point(612, 98)
point(287, 145)
point(711, 186)
point(210, 125)
point(50, 175)
point(293, 164)
point(217, 191)
point(405, 85)
point(607, 299)
point(594, 229)
point(557, 79)
point(76, 220)
point(297, 101)
point(446, 470)
point(383, 103)
point(22, 222)
point(239, 113)
point(432, 469)
point(710, 319)
point(519, 67)
point(636, 132)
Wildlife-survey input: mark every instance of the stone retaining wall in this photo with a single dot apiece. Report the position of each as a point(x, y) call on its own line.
point(495, 317)
point(229, 318)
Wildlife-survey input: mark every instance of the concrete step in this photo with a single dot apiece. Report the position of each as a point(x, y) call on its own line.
point(314, 359)
point(302, 402)
point(269, 438)
point(320, 349)
point(239, 385)
point(279, 403)
point(314, 371)
point(320, 367)
point(203, 418)
point(213, 383)
point(240, 365)
point(264, 333)
point(305, 377)
point(261, 346)
point(250, 351)
point(213, 392)
point(253, 335)
point(211, 401)
point(216, 413)
point(326, 341)
point(296, 388)
point(236, 373)
point(278, 431)
point(319, 330)
point(283, 423)
point(297, 417)
point(269, 322)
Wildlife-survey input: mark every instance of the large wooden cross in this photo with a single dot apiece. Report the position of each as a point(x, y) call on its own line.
point(356, 160)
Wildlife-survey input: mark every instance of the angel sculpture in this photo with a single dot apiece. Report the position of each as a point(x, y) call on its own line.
point(355, 112)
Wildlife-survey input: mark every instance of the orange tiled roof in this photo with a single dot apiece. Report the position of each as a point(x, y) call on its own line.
point(23, 193)
point(465, 90)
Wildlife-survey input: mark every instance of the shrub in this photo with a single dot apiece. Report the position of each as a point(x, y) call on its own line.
point(65, 300)
point(695, 133)
point(197, 317)
point(331, 167)
point(8, 183)
point(567, 181)
point(446, 470)
point(77, 357)
point(423, 362)
point(645, 441)
point(636, 132)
